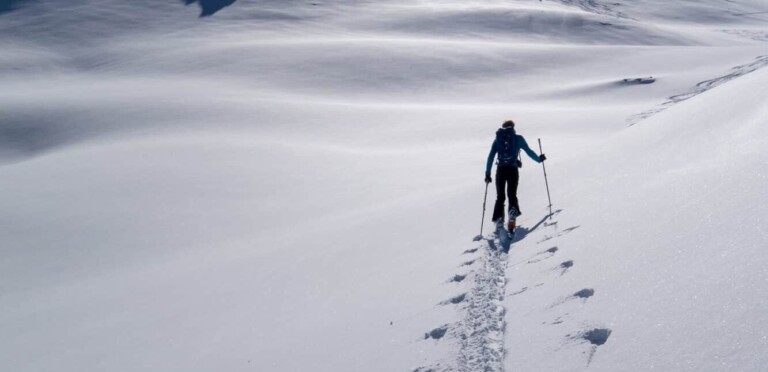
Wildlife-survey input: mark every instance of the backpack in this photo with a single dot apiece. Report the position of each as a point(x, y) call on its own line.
point(507, 146)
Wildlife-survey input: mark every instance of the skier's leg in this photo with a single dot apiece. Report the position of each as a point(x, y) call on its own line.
point(512, 181)
point(498, 208)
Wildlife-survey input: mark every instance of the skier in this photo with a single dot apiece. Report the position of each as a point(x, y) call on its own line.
point(508, 145)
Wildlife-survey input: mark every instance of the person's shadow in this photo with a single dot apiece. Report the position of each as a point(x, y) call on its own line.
point(209, 7)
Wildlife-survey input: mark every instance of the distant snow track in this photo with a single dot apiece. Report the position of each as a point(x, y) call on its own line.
point(702, 87)
point(750, 34)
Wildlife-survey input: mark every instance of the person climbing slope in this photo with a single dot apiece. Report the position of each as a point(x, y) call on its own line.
point(507, 146)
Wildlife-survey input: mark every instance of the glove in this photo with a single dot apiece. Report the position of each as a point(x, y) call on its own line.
point(488, 178)
point(542, 157)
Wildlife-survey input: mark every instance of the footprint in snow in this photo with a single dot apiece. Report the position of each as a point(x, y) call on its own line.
point(522, 290)
point(596, 337)
point(468, 263)
point(558, 320)
point(470, 251)
point(436, 333)
point(565, 266)
point(558, 234)
point(582, 294)
point(455, 300)
point(541, 256)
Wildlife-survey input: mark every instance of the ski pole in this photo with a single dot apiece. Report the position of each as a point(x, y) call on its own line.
point(546, 182)
point(484, 200)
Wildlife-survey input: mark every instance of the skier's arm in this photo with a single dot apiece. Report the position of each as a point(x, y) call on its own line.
point(531, 154)
point(491, 156)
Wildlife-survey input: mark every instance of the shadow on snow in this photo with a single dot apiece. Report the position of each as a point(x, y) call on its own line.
point(8, 5)
point(209, 7)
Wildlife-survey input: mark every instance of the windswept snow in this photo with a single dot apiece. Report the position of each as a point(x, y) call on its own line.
point(675, 262)
point(294, 185)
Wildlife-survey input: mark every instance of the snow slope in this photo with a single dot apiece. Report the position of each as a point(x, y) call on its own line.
point(293, 185)
point(671, 239)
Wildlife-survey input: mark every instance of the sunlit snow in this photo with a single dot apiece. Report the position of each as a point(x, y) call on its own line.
point(264, 185)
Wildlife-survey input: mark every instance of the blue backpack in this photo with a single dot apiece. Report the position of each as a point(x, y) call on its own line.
point(507, 146)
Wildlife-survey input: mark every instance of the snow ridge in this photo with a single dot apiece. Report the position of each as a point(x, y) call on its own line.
point(701, 87)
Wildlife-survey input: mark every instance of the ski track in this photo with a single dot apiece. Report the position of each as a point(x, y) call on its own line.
point(702, 87)
point(481, 331)
point(481, 325)
point(750, 34)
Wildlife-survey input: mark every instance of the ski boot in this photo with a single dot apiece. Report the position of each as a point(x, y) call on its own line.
point(499, 224)
point(513, 213)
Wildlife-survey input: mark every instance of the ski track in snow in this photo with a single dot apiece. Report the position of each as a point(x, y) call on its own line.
point(750, 34)
point(481, 331)
point(702, 87)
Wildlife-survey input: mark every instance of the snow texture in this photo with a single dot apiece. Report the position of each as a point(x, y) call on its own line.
point(481, 331)
point(294, 185)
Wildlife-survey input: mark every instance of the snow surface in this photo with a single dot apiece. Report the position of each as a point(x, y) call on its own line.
point(294, 185)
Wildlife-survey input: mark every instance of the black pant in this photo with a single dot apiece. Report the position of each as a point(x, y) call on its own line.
point(507, 178)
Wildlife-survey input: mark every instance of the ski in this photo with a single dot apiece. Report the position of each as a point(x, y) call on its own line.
point(504, 236)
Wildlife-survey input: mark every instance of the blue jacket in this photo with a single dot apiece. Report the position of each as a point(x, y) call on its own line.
point(522, 144)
